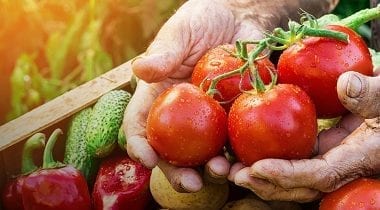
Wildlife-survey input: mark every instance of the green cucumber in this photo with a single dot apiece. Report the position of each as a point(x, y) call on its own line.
point(122, 139)
point(76, 146)
point(106, 119)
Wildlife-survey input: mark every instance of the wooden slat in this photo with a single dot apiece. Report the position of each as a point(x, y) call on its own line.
point(63, 106)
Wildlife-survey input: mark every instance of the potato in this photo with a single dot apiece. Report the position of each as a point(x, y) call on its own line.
point(248, 203)
point(211, 196)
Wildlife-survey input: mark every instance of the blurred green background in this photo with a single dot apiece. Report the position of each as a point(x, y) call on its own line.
point(50, 46)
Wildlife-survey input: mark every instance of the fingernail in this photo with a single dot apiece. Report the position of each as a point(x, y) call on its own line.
point(191, 184)
point(217, 170)
point(354, 86)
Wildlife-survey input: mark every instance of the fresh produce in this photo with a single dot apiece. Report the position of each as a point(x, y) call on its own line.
point(103, 126)
point(245, 204)
point(277, 123)
point(12, 192)
point(122, 139)
point(252, 202)
point(55, 186)
point(315, 63)
point(210, 197)
point(121, 183)
point(223, 59)
point(185, 126)
point(76, 153)
point(11, 197)
point(363, 193)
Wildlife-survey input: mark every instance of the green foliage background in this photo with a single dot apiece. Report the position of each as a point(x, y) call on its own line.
point(49, 47)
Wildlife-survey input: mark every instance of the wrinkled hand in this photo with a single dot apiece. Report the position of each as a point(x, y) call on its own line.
point(338, 162)
point(196, 27)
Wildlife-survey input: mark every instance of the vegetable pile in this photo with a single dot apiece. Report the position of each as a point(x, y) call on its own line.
point(272, 113)
point(85, 179)
point(238, 103)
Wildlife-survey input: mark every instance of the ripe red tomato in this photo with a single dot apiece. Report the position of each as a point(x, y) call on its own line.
point(186, 127)
point(362, 193)
point(218, 61)
point(278, 123)
point(315, 64)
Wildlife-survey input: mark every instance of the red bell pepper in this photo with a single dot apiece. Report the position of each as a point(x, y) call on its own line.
point(55, 186)
point(121, 183)
point(11, 196)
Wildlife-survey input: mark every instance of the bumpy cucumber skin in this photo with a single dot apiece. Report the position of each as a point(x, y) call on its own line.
point(122, 139)
point(106, 119)
point(76, 145)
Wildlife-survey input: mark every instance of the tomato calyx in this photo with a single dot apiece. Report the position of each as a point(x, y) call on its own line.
point(278, 40)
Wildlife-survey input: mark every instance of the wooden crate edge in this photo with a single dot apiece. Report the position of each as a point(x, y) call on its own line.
point(63, 106)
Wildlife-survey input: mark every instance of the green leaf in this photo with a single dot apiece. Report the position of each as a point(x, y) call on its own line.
point(23, 82)
point(349, 7)
point(92, 57)
point(59, 44)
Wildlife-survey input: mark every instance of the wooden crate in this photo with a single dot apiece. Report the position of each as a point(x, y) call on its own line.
point(55, 114)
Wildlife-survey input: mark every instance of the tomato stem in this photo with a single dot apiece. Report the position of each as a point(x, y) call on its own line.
point(280, 39)
point(326, 33)
point(258, 83)
point(361, 17)
point(214, 82)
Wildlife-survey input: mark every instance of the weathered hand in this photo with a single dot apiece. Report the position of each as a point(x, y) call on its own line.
point(357, 155)
point(196, 27)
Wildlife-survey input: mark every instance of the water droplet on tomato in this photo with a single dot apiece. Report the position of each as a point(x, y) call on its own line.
point(361, 204)
point(339, 47)
point(215, 63)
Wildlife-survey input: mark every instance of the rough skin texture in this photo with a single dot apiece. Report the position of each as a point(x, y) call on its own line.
point(76, 143)
point(105, 122)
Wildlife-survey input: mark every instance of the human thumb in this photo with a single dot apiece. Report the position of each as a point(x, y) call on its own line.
point(360, 94)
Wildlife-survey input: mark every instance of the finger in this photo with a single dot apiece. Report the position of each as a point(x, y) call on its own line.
point(181, 179)
point(360, 94)
point(350, 122)
point(292, 173)
point(330, 138)
point(217, 170)
point(355, 157)
point(269, 191)
point(139, 150)
point(236, 167)
point(134, 122)
point(165, 53)
point(183, 39)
